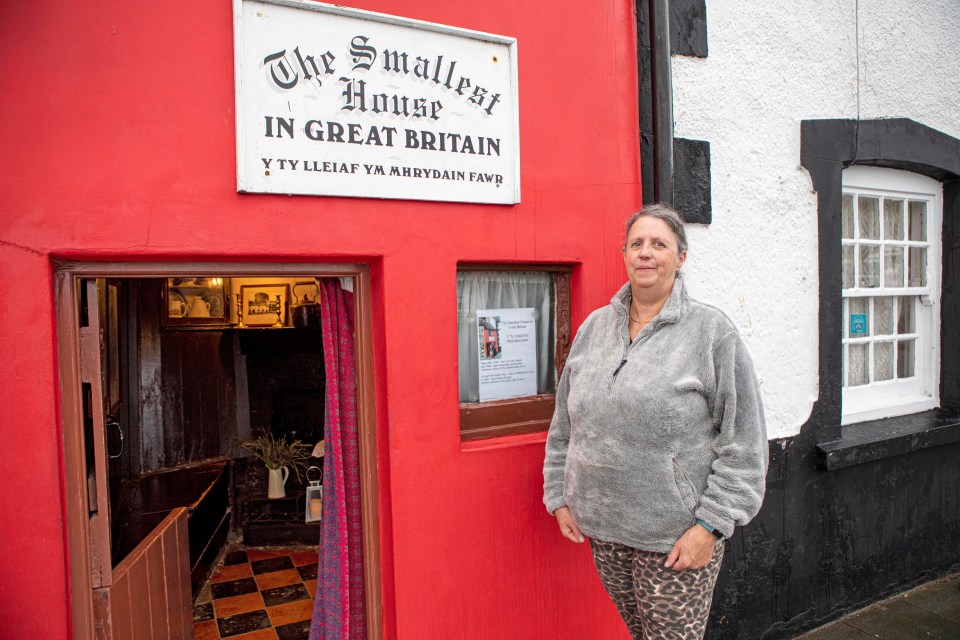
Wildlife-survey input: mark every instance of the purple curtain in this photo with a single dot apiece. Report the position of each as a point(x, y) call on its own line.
point(338, 610)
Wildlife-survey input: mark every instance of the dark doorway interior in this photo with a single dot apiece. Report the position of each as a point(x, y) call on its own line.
point(190, 394)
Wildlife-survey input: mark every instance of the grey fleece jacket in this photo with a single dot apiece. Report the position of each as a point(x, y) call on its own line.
point(650, 435)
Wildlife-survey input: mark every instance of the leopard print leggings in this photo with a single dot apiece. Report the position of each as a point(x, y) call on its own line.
point(656, 603)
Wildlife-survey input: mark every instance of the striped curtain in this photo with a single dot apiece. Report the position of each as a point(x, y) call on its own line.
point(338, 610)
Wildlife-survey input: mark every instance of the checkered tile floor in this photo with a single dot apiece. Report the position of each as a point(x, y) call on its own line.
point(258, 594)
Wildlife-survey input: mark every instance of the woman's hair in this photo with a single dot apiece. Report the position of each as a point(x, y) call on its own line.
point(662, 212)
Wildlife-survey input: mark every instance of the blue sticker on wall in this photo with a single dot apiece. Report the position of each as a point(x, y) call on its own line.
point(858, 324)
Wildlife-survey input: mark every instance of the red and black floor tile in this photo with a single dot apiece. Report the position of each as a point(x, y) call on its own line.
point(259, 594)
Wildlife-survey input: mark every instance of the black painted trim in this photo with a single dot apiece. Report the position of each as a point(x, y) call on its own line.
point(826, 148)
point(662, 84)
point(878, 439)
point(645, 98)
point(950, 297)
point(688, 37)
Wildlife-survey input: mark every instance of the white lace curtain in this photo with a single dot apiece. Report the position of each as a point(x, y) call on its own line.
point(504, 290)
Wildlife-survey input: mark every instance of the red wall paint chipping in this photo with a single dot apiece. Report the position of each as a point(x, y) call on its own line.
point(117, 142)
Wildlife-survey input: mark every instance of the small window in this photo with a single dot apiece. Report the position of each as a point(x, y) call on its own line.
point(890, 226)
point(513, 334)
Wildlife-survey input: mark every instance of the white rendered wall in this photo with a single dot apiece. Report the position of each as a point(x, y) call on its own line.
point(771, 65)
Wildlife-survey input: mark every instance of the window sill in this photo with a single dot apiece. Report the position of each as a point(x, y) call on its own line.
point(878, 439)
point(485, 420)
point(504, 442)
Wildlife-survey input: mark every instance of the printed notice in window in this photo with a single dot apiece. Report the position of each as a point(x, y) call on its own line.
point(507, 340)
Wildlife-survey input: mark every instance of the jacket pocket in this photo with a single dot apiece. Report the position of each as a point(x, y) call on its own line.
point(684, 487)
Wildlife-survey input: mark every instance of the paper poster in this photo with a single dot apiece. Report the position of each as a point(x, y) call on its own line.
point(507, 340)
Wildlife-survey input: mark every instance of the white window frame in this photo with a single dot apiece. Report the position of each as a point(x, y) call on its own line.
point(921, 392)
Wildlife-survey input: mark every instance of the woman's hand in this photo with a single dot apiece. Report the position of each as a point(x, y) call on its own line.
point(693, 550)
point(568, 527)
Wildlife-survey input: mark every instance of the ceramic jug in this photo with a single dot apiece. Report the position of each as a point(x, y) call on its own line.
point(276, 481)
point(177, 308)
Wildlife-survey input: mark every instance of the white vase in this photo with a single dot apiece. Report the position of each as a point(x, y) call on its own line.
point(276, 480)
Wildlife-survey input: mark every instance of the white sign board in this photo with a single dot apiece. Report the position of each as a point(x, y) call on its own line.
point(507, 340)
point(336, 101)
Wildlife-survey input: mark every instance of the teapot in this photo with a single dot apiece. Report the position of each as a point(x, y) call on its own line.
point(305, 312)
point(199, 308)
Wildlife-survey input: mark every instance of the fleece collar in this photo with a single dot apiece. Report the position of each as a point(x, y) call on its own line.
point(671, 310)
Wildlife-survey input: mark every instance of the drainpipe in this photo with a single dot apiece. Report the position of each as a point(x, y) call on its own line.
point(662, 82)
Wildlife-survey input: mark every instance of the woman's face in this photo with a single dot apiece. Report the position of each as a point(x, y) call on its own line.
point(651, 255)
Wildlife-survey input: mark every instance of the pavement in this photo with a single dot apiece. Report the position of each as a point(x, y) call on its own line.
point(928, 612)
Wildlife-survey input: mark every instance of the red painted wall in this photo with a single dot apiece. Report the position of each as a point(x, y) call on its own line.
point(117, 142)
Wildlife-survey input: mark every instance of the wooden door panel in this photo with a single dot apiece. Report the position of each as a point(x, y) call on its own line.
point(91, 375)
point(150, 596)
point(176, 549)
point(147, 595)
point(121, 611)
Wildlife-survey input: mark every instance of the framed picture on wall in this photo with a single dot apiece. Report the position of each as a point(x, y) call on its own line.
point(261, 304)
point(195, 302)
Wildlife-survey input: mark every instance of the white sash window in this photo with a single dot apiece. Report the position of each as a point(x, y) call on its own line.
point(891, 293)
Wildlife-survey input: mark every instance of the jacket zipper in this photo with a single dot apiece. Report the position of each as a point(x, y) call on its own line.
point(626, 347)
point(623, 347)
point(619, 366)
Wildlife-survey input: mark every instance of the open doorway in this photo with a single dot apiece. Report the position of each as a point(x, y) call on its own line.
point(188, 367)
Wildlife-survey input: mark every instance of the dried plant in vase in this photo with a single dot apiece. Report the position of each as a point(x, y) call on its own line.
point(279, 455)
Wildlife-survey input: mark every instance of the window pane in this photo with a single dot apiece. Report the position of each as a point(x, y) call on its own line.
point(504, 290)
point(846, 217)
point(883, 316)
point(918, 220)
point(905, 321)
point(882, 361)
point(858, 323)
point(890, 271)
point(893, 219)
point(870, 266)
point(918, 267)
point(868, 213)
point(857, 362)
point(847, 267)
point(893, 266)
point(905, 358)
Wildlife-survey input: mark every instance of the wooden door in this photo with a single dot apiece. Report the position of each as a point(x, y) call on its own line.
point(147, 595)
point(94, 443)
point(66, 278)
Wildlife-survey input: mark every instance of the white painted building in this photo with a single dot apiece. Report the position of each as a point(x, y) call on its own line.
point(816, 149)
point(772, 65)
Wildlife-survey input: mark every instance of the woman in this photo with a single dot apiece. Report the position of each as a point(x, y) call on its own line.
point(658, 447)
